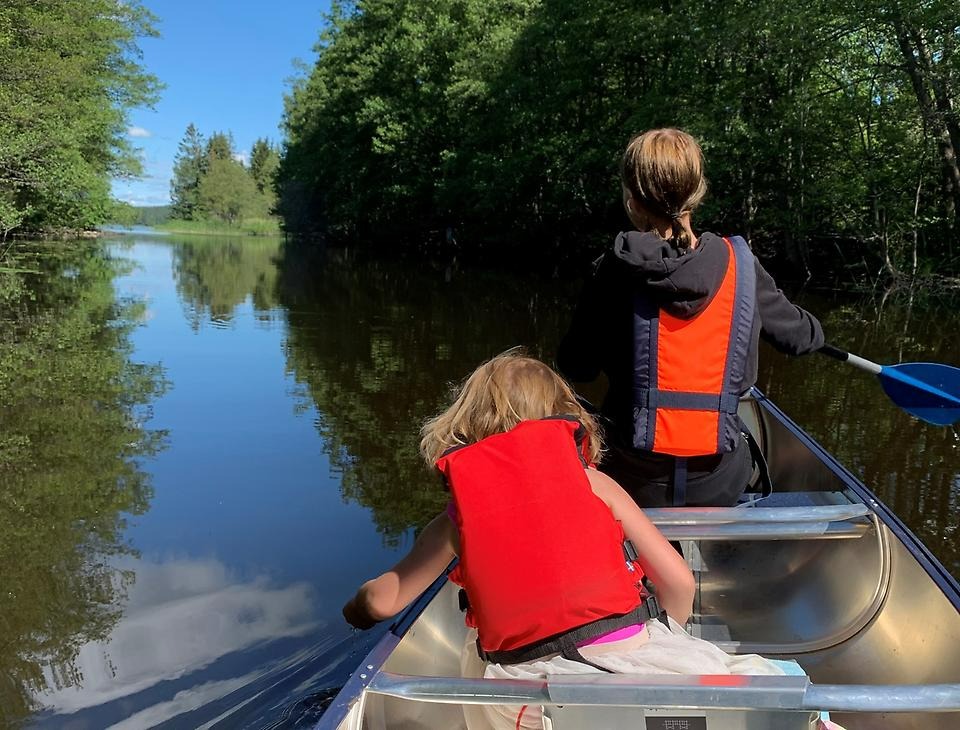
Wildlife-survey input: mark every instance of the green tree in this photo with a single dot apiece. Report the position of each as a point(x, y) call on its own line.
point(830, 130)
point(219, 147)
point(264, 162)
point(188, 169)
point(228, 192)
point(69, 73)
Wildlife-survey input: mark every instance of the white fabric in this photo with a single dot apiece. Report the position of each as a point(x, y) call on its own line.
point(665, 651)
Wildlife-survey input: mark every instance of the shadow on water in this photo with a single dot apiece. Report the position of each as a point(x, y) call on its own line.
point(280, 467)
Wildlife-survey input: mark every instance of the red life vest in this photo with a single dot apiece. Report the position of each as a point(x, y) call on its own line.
point(689, 373)
point(540, 553)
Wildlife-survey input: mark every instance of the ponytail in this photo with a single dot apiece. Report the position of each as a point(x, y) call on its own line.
point(663, 170)
point(680, 239)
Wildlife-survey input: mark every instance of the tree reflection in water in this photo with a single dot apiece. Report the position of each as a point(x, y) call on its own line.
point(373, 345)
point(215, 274)
point(376, 345)
point(72, 405)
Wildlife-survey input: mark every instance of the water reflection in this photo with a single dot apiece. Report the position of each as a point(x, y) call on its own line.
point(72, 408)
point(215, 275)
point(288, 469)
point(376, 344)
point(180, 617)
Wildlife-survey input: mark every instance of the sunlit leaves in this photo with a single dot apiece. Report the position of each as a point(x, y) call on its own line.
point(69, 72)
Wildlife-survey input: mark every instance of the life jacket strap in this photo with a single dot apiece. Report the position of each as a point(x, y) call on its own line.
point(680, 481)
point(565, 643)
point(653, 398)
point(760, 462)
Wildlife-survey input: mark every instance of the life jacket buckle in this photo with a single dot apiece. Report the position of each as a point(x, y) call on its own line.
point(651, 605)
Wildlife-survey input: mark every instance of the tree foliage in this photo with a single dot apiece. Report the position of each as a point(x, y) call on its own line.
point(264, 163)
point(188, 168)
point(210, 181)
point(228, 192)
point(830, 129)
point(69, 72)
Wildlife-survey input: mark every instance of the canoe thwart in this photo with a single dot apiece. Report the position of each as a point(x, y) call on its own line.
point(730, 692)
point(744, 515)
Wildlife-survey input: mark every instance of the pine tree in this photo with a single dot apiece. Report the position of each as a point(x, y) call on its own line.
point(219, 147)
point(264, 162)
point(188, 169)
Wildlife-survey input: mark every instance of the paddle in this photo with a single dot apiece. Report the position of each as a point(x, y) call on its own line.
point(928, 390)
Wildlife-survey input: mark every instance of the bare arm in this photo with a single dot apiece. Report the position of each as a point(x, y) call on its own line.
point(665, 566)
point(391, 592)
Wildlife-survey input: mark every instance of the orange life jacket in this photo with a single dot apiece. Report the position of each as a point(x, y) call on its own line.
point(540, 554)
point(689, 373)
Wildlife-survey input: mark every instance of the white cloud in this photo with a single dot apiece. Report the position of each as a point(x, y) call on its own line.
point(242, 157)
point(139, 132)
point(180, 617)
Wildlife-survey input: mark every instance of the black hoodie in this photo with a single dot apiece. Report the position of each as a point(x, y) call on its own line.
point(600, 338)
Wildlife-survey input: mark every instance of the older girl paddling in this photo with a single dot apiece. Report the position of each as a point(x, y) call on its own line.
point(673, 318)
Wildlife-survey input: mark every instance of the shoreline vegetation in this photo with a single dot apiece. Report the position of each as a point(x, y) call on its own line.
point(249, 227)
point(831, 132)
point(491, 129)
point(70, 72)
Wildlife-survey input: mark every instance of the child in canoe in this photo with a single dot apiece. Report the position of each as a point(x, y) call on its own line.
point(540, 536)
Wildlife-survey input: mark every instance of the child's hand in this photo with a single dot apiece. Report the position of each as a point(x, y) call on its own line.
point(357, 612)
point(388, 594)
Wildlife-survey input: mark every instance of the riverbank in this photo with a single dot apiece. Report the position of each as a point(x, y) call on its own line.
point(249, 227)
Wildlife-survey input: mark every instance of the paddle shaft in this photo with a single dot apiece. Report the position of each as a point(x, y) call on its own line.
point(855, 360)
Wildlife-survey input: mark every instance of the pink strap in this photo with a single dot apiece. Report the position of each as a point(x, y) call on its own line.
point(625, 633)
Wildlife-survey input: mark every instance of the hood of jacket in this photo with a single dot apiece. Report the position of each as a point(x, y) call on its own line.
point(683, 283)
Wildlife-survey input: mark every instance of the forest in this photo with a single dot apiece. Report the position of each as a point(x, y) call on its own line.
point(830, 130)
point(211, 182)
point(70, 72)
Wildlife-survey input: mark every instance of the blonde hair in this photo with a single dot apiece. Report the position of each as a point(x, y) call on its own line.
point(499, 394)
point(663, 170)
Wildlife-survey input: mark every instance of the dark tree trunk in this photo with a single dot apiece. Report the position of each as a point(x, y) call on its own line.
point(936, 116)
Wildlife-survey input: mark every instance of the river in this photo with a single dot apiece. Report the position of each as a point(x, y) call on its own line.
point(208, 443)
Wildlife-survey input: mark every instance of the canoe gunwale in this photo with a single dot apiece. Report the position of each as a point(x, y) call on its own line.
point(355, 688)
point(947, 584)
point(658, 691)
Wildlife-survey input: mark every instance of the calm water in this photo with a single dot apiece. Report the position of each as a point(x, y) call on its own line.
point(215, 443)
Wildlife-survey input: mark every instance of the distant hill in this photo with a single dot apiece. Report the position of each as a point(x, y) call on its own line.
point(151, 215)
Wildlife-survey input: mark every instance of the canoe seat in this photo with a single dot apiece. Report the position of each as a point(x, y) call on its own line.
point(808, 522)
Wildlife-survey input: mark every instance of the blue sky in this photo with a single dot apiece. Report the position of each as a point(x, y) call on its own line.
point(225, 66)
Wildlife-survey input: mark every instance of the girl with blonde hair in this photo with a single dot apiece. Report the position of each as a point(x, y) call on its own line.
point(551, 584)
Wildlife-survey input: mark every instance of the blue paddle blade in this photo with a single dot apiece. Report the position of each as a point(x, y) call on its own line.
point(928, 390)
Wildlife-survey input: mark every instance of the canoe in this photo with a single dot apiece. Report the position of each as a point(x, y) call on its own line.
point(820, 572)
